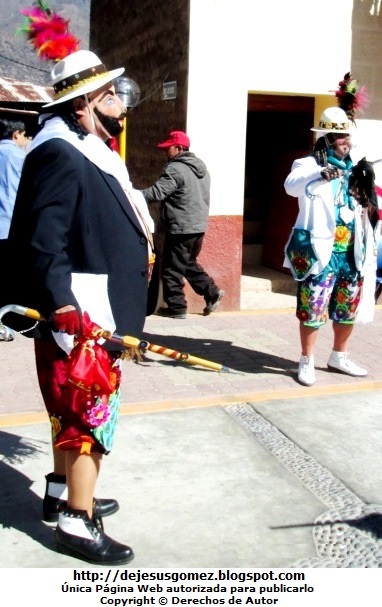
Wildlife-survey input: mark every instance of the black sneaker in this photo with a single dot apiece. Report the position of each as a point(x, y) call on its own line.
point(168, 313)
point(213, 304)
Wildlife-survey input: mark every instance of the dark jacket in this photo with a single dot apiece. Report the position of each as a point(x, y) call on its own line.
point(184, 188)
point(69, 217)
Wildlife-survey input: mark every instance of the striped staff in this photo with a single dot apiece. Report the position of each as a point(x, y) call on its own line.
point(127, 341)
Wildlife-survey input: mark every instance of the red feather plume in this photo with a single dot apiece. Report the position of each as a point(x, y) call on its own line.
point(48, 32)
point(351, 97)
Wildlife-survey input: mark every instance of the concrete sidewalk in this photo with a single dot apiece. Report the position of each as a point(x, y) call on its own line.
point(260, 346)
point(211, 469)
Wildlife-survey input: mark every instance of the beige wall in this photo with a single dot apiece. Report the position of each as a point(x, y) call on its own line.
point(366, 60)
point(263, 47)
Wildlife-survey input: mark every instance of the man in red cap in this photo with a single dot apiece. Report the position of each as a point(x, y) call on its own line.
point(184, 190)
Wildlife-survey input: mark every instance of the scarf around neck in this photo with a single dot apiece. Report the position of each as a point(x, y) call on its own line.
point(95, 150)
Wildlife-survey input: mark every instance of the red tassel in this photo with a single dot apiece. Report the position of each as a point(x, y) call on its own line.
point(90, 366)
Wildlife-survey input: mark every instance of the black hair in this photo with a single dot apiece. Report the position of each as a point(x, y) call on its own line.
point(8, 127)
point(362, 185)
point(66, 111)
point(323, 145)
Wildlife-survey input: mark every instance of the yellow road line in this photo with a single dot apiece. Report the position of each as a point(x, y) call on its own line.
point(139, 408)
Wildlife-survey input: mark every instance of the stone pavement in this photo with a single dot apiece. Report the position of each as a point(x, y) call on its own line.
point(213, 469)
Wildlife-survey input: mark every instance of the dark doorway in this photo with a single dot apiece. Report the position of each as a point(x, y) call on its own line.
point(278, 132)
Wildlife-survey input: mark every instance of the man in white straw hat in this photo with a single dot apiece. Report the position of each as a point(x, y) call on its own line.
point(330, 251)
point(83, 236)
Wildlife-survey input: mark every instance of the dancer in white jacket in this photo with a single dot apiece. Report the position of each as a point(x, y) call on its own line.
point(331, 247)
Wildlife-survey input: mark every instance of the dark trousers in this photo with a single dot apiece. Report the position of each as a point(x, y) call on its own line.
point(4, 249)
point(179, 261)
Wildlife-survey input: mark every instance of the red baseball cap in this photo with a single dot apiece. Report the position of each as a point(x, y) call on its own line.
point(175, 138)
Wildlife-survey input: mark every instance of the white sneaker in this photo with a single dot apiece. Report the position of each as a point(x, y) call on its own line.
point(339, 362)
point(306, 375)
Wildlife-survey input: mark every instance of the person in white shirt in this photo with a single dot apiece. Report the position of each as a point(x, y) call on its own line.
point(330, 247)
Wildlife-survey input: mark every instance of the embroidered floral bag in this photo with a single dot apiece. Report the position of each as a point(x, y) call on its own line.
point(301, 253)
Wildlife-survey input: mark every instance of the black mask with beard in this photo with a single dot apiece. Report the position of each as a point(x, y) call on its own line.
point(110, 124)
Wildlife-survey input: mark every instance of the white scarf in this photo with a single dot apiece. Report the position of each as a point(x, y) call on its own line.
point(105, 159)
point(85, 285)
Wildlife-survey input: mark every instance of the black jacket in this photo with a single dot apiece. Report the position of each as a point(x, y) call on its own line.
point(69, 217)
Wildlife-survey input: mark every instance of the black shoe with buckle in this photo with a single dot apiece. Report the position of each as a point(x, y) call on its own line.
point(168, 313)
point(51, 504)
point(102, 507)
point(214, 302)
